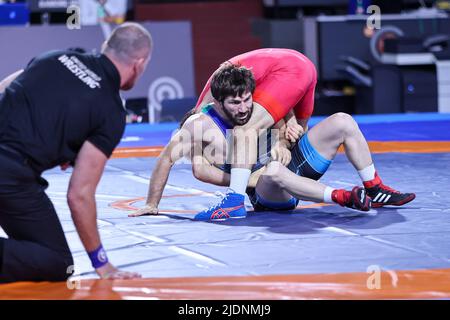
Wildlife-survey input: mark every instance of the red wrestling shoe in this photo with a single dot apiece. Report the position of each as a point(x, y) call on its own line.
point(383, 195)
point(355, 199)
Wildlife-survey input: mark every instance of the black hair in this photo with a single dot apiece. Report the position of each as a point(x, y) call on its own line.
point(231, 80)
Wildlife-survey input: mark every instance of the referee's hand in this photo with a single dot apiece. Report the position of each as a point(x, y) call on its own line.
point(109, 272)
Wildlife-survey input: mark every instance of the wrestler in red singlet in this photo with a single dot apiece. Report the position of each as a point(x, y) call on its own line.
point(285, 80)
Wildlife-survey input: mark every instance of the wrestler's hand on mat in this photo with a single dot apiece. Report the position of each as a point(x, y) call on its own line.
point(281, 153)
point(147, 210)
point(108, 271)
point(293, 132)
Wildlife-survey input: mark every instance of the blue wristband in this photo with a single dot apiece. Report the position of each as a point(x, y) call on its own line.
point(98, 257)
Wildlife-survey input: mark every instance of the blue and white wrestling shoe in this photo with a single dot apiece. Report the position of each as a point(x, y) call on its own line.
point(231, 207)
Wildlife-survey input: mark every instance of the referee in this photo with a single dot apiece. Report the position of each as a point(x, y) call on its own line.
point(63, 108)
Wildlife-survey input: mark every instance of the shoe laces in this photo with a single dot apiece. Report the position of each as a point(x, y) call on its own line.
point(385, 187)
point(223, 197)
point(220, 195)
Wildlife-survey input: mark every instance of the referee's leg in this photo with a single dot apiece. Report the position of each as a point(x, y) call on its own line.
point(36, 248)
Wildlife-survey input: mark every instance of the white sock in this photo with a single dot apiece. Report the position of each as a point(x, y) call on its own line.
point(367, 173)
point(239, 180)
point(327, 195)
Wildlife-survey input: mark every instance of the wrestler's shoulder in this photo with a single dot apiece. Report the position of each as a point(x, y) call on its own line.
point(197, 119)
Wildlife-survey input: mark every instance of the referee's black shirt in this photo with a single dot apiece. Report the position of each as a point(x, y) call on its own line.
point(62, 99)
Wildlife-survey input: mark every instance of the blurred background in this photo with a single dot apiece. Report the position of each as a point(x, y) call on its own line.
point(392, 58)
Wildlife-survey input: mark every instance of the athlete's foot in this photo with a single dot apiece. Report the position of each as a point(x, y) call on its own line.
point(231, 207)
point(383, 195)
point(355, 199)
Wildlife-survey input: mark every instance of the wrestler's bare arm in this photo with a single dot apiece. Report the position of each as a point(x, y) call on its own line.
point(179, 146)
point(206, 172)
point(212, 154)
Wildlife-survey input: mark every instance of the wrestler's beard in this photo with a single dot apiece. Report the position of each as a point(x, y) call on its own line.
point(235, 120)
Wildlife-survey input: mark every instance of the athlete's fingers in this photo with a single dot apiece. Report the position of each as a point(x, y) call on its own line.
point(123, 275)
point(287, 135)
point(147, 210)
point(129, 275)
point(296, 133)
point(283, 157)
point(288, 129)
point(278, 155)
point(286, 157)
point(281, 154)
point(273, 154)
point(290, 136)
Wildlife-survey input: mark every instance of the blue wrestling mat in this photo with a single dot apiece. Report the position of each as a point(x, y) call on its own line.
point(311, 239)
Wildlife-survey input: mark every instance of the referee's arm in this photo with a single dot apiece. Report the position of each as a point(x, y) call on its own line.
point(86, 175)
